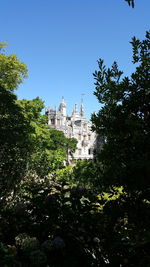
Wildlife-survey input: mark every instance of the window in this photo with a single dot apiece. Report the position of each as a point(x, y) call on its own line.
point(90, 151)
point(84, 137)
point(52, 121)
point(79, 137)
point(79, 151)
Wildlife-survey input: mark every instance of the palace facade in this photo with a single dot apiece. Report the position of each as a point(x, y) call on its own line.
point(74, 125)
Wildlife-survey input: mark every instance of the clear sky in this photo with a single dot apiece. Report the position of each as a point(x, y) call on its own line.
point(61, 40)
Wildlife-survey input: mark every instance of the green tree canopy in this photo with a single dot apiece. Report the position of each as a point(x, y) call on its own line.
point(14, 136)
point(124, 120)
point(12, 70)
point(50, 146)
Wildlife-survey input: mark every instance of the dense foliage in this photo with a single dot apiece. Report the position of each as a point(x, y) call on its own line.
point(91, 214)
point(15, 145)
point(50, 147)
point(12, 71)
point(124, 120)
point(49, 224)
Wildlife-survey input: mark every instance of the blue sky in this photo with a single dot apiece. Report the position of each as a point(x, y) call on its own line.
point(61, 40)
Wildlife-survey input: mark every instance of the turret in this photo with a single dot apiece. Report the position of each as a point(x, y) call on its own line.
point(75, 113)
point(76, 108)
point(62, 110)
point(82, 110)
point(82, 106)
point(62, 107)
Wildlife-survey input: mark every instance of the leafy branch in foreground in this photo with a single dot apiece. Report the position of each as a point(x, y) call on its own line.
point(130, 2)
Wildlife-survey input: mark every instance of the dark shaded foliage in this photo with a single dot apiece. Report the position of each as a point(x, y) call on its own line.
point(14, 142)
point(51, 220)
point(124, 120)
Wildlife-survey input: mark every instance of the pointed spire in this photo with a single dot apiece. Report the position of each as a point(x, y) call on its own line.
point(62, 100)
point(75, 111)
point(82, 110)
point(62, 104)
point(76, 108)
point(82, 106)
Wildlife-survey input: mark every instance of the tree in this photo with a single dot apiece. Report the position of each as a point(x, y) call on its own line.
point(82, 174)
point(12, 71)
point(14, 142)
point(50, 146)
point(14, 137)
point(124, 120)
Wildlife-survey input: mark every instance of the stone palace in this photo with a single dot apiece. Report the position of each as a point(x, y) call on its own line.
point(74, 125)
